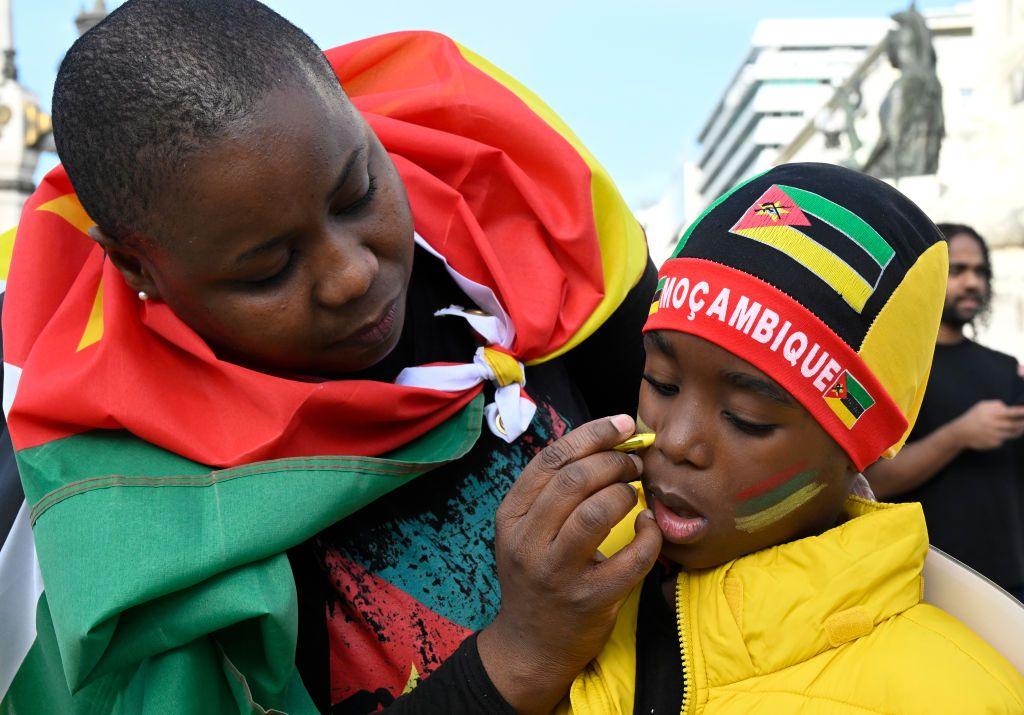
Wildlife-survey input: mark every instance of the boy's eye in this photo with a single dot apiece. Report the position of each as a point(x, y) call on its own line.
point(660, 387)
point(361, 202)
point(755, 429)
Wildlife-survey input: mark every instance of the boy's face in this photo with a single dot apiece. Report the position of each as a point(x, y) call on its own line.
point(288, 244)
point(738, 464)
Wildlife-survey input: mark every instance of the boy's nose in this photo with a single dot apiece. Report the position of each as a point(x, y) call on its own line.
point(684, 440)
point(345, 270)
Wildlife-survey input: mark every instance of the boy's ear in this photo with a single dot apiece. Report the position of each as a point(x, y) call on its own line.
point(859, 485)
point(127, 259)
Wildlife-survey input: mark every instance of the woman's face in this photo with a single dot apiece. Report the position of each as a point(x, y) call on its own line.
point(287, 245)
point(738, 465)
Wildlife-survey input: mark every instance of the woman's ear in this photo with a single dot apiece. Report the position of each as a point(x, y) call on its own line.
point(128, 259)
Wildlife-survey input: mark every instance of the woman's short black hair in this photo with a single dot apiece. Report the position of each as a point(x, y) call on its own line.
point(138, 94)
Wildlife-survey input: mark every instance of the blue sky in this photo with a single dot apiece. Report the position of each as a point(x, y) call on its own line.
point(634, 80)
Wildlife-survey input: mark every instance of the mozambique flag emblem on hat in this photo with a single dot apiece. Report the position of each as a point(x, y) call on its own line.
point(830, 241)
point(848, 399)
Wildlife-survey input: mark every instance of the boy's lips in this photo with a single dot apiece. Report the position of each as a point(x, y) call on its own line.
point(679, 522)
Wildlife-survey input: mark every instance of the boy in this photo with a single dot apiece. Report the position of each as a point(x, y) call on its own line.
point(787, 349)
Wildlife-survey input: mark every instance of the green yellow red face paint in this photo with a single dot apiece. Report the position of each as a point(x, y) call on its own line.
point(776, 497)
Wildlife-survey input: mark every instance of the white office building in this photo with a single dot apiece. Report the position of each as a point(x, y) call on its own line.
point(791, 69)
point(785, 103)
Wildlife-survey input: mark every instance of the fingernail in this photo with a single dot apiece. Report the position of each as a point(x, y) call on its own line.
point(648, 513)
point(638, 462)
point(623, 423)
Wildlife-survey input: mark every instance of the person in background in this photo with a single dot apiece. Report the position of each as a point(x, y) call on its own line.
point(964, 460)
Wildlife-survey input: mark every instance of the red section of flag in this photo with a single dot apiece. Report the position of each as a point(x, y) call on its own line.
point(769, 483)
point(839, 390)
point(379, 634)
point(493, 188)
point(774, 208)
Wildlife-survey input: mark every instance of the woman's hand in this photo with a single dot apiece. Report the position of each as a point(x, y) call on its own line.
point(559, 597)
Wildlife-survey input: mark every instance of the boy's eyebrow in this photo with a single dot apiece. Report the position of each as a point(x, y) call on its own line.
point(765, 388)
point(658, 340)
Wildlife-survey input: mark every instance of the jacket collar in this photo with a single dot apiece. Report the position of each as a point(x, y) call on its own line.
point(783, 605)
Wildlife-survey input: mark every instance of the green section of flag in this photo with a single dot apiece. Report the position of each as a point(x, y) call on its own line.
point(857, 392)
point(159, 571)
point(55, 468)
point(845, 221)
point(193, 679)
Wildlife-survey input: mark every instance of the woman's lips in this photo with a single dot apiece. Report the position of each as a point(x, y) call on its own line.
point(680, 525)
point(379, 331)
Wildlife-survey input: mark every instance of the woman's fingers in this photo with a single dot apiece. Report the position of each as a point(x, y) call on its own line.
point(574, 484)
point(583, 441)
point(590, 523)
point(612, 579)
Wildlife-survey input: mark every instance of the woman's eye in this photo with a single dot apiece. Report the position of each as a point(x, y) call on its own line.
point(755, 429)
point(361, 202)
point(660, 387)
point(270, 281)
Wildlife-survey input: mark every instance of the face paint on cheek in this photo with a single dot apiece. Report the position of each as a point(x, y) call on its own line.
point(776, 497)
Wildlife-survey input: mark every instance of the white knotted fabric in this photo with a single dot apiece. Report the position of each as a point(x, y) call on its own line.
point(512, 411)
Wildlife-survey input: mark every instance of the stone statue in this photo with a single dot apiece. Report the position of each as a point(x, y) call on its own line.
point(840, 121)
point(912, 122)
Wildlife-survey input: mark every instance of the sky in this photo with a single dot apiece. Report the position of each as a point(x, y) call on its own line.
point(634, 80)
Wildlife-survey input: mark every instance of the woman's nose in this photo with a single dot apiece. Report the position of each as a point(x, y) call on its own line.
point(344, 269)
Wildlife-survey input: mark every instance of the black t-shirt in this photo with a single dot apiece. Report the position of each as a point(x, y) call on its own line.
point(389, 593)
point(973, 507)
point(660, 682)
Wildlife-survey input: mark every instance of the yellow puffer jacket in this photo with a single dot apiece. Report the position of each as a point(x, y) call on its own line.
point(826, 624)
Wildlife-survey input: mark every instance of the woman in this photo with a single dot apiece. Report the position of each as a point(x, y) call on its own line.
point(309, 302)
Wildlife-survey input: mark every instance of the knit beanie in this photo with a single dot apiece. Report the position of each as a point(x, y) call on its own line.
point(827, 280)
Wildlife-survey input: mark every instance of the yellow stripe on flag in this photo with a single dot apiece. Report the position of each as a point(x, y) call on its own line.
point(785, 507)
point(70, 209)
point(620, 237)
point(817, 259)
point(6, 251)
point(94, 326)
point(844, 414)
point(507, 370)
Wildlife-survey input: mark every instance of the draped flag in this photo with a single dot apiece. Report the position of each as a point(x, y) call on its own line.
point(163, 485)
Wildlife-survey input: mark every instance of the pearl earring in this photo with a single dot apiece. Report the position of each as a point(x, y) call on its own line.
point(143, 295)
